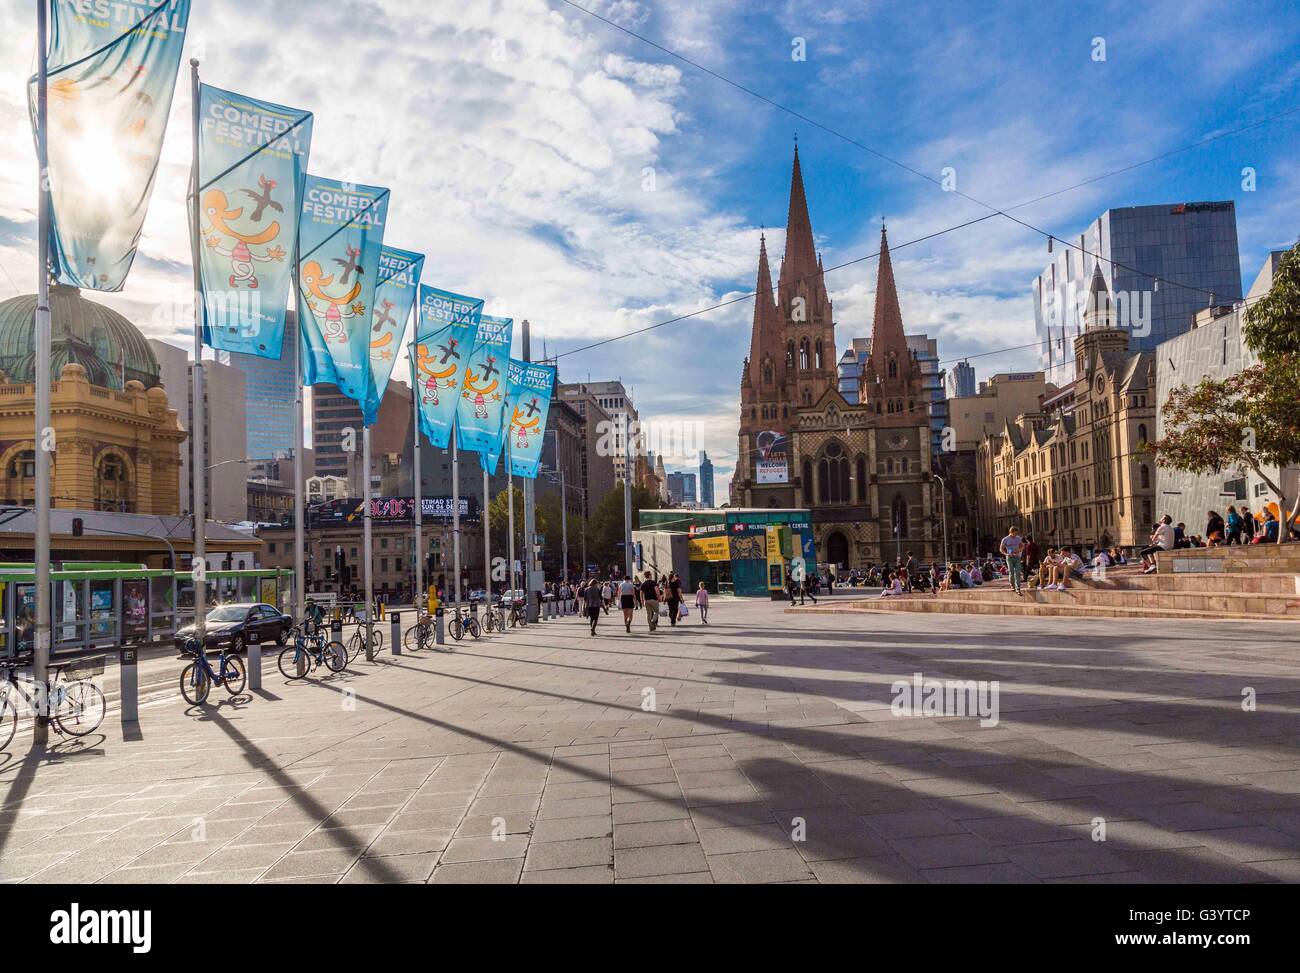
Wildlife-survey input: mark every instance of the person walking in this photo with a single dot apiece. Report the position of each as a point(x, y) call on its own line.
point(806, 589)
point(592, 601)
point(627, 602)
point(1247, 525)
point(650, 599)
point(1234, 526)
point(674, 597)
point(702, 603)
point(606, 595)
point(1012, 548)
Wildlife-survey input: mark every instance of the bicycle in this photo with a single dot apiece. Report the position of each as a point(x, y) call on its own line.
point(357, 643)
point(198, 677)
point(517, 616)
point(463, 622)
point(494, 619)
point(310, 651)
point(418, 635)
point(76, 708)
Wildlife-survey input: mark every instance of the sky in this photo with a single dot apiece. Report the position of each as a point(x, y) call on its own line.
point(583, 178)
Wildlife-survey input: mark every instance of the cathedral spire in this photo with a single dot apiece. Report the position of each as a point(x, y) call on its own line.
point(887, 322)
point(800, 252)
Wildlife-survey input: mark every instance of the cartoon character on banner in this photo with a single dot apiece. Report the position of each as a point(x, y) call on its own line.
point(330, 305)
point(216, 207)
point(381, 347)
point(435, 371)
point(525, 424)
point(483, 393)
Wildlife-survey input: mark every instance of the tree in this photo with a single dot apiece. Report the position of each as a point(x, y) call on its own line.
point(1273, 323)
point(1250, 420)
point(605, 531)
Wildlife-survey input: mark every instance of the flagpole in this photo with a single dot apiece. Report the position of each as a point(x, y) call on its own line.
point(198, 420)
point(41, 545)
point(419, 502)
point(487, 548)
point(299, 423)
point(367, 554)
point(455, 514)
point(510, 494)
point(530, 514)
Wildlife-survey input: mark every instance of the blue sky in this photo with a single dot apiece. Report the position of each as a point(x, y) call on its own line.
point(518, 136)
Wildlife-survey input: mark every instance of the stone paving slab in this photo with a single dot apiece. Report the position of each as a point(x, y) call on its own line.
point(773, 752)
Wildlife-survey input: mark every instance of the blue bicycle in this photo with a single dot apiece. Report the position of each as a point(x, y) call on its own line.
point(197, 677)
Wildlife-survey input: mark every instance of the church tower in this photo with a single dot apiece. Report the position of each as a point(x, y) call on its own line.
point(892, 384)
point(792, 359)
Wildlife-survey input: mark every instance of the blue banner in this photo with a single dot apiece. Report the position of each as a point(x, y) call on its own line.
point(445, 336)
point(111, 75)
point(252, 165)
point(340, 236)
point(483, 390)
point(399, 281)
point(530, 404)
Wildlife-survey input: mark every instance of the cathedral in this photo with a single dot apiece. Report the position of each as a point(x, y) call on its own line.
point(862, 468)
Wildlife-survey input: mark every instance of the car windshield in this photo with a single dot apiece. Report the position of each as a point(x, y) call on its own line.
point(228, 613)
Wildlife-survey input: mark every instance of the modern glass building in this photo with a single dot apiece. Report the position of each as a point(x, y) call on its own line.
point(1192, 246)
point(961, 380)
point(270, 386)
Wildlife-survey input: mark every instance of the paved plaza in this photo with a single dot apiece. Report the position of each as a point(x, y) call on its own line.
point(760, 748)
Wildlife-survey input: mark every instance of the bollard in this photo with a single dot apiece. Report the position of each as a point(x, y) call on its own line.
point(439, 627)
point(254, 645)
point(396, 618)
point(129, 684)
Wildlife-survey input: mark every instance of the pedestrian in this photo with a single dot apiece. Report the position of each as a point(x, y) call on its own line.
point(913, 566)
point(808, 588)
point(1012, 548)
point(606, 595)
point(627, 601)
point(1213, 529)
point(674, 597)
point(650, 599)
point(1247, 525)
point(1234, 526)
point(591, 598)
point(702, 603)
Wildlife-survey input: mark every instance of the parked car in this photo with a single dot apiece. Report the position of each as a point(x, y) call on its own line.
point(232, 625)
point(477, 595)
point(516, 596)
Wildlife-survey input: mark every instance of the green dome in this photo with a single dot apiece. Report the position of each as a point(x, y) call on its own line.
point(82, 332)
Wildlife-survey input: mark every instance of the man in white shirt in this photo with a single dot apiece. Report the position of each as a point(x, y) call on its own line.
point(1012, 548)
point(1162, 539)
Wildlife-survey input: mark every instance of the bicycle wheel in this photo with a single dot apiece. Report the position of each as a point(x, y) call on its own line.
point(377, 638)
point(81, 709)
point(456, 629)
point(236, 675)
point(356, 645)
point(514, 618)
point(472, 625)
point(195, 684)
point(288, 663)
point(413, 640)
point(8, 721)
point(489, 622)
point(336, 657)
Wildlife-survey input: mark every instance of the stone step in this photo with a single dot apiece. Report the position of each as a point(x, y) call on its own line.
point(1237, 559)
point(1032, 608)
point(1280, 584)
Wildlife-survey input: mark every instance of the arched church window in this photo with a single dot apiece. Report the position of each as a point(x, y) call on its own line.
point(819, 354)
point(862, 480)
point(893, 367)
point(789, 355)
point(823, 482)
point(803, 354)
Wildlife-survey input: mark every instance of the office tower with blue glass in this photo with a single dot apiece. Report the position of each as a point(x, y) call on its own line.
point(270, 385)
point(1192, 247)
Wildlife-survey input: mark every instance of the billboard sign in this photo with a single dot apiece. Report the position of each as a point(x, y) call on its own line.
point(387, 510)
point(771, 459)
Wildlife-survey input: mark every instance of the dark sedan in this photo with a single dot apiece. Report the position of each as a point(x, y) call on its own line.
point(232, 626)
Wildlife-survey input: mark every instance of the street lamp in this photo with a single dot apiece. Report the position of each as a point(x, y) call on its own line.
point(943, 506)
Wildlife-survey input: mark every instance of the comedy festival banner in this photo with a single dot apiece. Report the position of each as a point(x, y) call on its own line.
point(444, 337)
point(340, 237)
point(530, 403)
point(111, 72)
point(483, 390)
point(252, 165)
point(399, 281)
